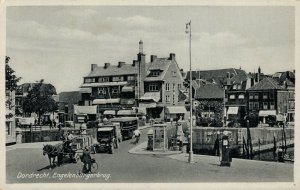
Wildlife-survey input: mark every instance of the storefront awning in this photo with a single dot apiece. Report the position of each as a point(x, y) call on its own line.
point(85, 109)
point(126, 112)
point(128, 89)
point(155, 96)
point(176, 109)
point(106, 101)
point(263, 113)
point(109, 112)
point(85, 90)
point(147, 105)
point(233, 110)
point(127, 101)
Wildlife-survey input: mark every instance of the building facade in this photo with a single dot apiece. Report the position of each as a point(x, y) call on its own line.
point(268, 99)
point(149, 88)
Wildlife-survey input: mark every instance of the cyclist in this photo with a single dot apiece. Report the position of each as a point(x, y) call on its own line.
point(137, 135)
point(87, 160)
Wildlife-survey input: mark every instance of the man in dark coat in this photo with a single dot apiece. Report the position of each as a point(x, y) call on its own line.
point(87, 160)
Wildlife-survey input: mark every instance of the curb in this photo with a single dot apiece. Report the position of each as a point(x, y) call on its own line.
point(140, 150)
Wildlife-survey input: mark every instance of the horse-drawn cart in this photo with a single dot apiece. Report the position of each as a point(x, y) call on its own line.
point(71, 149)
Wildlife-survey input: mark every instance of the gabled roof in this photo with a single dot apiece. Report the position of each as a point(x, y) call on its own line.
point(266, 84)
point(209, 91)
point(161, 64)
point(220, 76)
point(126, 69)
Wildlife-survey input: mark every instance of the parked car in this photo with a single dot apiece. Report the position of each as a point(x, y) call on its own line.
point(106, 140)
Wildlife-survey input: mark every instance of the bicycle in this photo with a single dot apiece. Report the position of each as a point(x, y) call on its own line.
point(94, 167)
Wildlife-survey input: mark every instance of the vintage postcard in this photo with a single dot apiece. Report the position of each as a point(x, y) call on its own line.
point(131, 95)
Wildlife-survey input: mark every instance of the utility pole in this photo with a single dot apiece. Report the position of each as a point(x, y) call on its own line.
point(189, 31)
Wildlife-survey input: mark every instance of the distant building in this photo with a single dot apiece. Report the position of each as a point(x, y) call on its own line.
point(162, 85)
point(10, 122)
point(152, 87)
point(268, 98)
point(210, 99)
point(66, 102)
point(234, 82)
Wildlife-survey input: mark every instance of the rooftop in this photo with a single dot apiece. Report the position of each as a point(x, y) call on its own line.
point(266, 84)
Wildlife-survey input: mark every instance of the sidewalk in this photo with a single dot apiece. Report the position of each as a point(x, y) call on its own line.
point(141, 149)
point(31, 145)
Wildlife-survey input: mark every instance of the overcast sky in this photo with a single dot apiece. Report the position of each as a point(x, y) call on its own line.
point(60, 43)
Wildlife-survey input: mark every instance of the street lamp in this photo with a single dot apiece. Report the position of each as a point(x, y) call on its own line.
point(189, 31)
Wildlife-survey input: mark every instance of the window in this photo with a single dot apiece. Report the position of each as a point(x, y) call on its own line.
point(101, 91)
point(179, 86)
point(250, 105)
point(239, 86)
point(292, 95)
point(292, 105)
point(272, 106)
point(89, 80)
point(118, 78)
point(265, 96)
point(256, 105)
point(173, 87)
point(103, 79)
point(250, 96)
point(115, 91)
point(241, 96)
point(167, 87)
point(154, 73)
point(234, 87)
point(130, 77)
point(271, 94)
point(173, 73)
point(265, 105)
point(153, 87)
point(225, 87)
point(232, 97)
point(173, 99)
point(226, 97)
point(167, 98)
point(256, 96)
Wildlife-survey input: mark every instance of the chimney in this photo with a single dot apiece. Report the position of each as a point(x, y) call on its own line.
point(106, 65)
point(285, 85)
point(134, 63)
point(172, 56)
point(93, 66)
point(153, 58)
point(121, 63)
point(141, 47)
point(228, 75)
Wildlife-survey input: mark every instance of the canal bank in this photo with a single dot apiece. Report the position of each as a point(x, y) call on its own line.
point(243, 142)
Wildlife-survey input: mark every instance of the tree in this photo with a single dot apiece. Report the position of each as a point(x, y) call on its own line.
point(10, 85)
point(39, 99)
point(218, 108)
point(10, 78)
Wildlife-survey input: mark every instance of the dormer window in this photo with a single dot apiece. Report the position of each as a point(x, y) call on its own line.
point(173, 73)
point(89, 80)
point(154, 73)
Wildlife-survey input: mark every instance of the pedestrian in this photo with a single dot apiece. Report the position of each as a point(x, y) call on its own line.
point(87, 160)
point(50, 124)
point(54, 123)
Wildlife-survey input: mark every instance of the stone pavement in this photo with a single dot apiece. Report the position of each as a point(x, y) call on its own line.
point(249, 169)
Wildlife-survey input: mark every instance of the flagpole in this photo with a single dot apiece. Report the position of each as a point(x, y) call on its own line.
point(191, 158)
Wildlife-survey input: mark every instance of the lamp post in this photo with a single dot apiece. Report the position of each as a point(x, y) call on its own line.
point(189, 31)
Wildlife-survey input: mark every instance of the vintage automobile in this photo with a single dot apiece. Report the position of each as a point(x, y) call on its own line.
point(127, 125)
point(106, 141)
point(116, 127)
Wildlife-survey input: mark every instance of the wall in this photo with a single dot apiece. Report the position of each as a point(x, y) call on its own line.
point(204, 137)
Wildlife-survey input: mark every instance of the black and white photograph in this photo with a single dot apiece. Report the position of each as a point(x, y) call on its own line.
point(103, 94)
